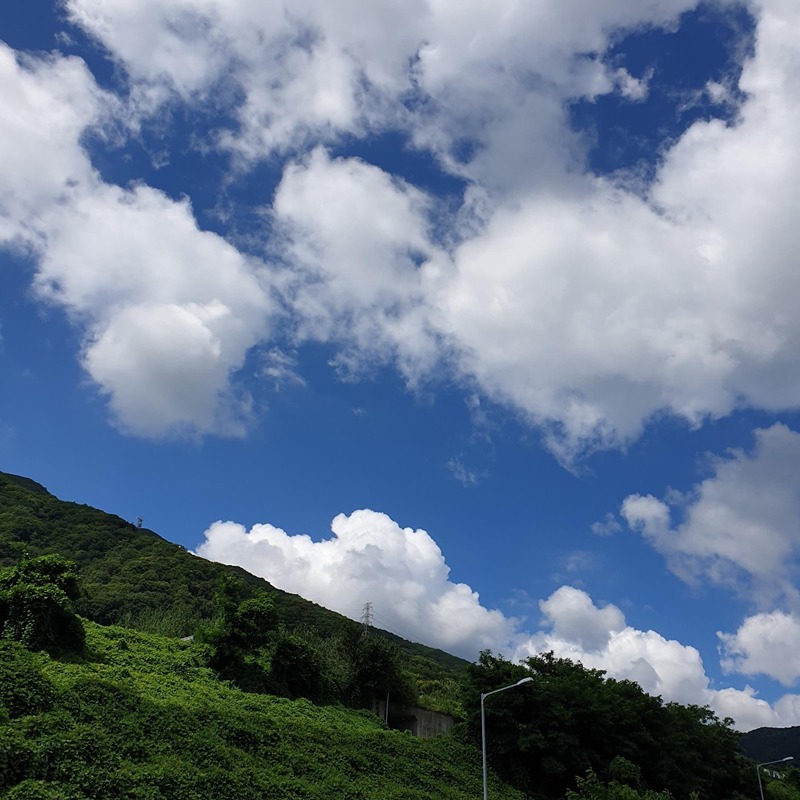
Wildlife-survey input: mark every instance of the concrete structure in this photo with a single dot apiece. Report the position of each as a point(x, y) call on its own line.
point(420, 722)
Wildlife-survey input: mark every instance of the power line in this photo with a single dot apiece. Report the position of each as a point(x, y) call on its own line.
point(391, 626)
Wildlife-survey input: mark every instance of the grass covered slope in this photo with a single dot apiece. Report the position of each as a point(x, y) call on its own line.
point(141, 717)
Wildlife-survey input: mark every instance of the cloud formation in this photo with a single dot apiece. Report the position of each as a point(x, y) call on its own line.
point(584, 304)
point(48, 103)
point(370, 558)
point(765, 644)
point(168, 311)
point(402, 571)
point(491, 71)
point(354, 237)
point(599, 637)
point(741, 527)
point(587, 303)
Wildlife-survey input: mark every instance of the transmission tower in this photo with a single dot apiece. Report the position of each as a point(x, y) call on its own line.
point(366, 618)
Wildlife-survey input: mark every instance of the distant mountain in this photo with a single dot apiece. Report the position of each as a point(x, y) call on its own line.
point(134, 577)
point(771, 744)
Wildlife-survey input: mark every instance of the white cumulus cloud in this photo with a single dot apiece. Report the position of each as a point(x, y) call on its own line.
point(740, 529)
point(403, 572)
point(354, 237)
point(599, 638)
point(587, 304)
point(47, 105)
point(370, 558)
point(741, 526)
point(168, 311)
point(765, 644)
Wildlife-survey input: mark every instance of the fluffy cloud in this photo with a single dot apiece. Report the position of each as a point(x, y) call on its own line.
point(586, 305)
point(741, 528)
point(402, 571)
point(47, 105)
point(599, 638)
point(329, 70)
point(573, 617)
point(354, 237)
point(767, 644)
point(169, 311)
point(370, 558)
point(592, 308)
point(491, 71)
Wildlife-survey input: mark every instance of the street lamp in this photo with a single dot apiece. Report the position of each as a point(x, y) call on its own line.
point(766, 764)
point(484, 695)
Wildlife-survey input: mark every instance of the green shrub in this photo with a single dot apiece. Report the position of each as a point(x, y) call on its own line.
point(296, 670)
point(43, 790)
point(36, 608)
point(23, 688)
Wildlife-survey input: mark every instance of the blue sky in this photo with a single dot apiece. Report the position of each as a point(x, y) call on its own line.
point(483, 313)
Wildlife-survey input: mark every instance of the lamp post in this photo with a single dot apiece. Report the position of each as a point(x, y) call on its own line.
point(484, 695)
point(766, 764)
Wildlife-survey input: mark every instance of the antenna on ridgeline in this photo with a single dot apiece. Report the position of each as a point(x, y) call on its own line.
point(366, 619)
point(139, 522)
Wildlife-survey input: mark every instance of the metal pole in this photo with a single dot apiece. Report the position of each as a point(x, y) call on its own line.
point(484, 695)
point(483, 749)
point(766, 764)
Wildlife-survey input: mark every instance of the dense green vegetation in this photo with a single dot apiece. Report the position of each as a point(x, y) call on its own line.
point(142, 716)
point(572, 721)
point(36, 605)
point(768, 744)
point(785, 785)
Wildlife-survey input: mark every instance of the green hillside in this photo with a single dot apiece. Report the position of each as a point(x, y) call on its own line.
point(134, 577)
point(771, 744)
point(142, 717)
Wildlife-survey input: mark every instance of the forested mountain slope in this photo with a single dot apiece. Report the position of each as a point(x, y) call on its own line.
point(135, 577)
point(770, 744)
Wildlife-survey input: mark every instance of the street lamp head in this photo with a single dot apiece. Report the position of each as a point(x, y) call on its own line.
point(788, 758)
point(529, 679)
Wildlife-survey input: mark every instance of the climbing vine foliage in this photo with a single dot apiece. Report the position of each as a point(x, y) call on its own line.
point(36, 605)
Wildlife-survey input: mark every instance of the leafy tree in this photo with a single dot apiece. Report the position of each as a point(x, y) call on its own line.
point(133, 577)
point(787, 787)
point(590, 788)
point(297, 670)
point(570, 720)
point(36, 605)
point(150, 721)
point(242, 628)
point(699, 752)
point(377, 670)
point(778, 790)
